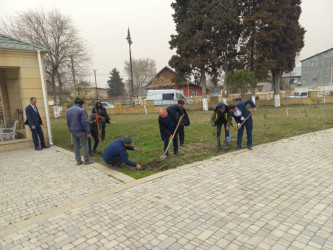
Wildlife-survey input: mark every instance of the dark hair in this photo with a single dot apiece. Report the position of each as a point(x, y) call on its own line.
point(31, 98)
point(181, 102)
point(232, 106)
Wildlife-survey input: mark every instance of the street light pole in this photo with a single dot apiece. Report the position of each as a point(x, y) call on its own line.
point(129, 40)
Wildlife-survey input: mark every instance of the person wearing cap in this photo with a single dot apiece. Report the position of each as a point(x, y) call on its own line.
point(184, 122)
point(240, 113)
point(219, 118)
point(78, 125)
point(116, 154)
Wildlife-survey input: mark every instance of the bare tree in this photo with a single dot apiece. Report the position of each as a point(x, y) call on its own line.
point(144, 70)
point(57, 33)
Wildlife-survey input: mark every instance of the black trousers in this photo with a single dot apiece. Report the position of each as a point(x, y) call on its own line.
point(116, 161)
point(38, 132)
point(219, 128)
point(181, 131)
point(94, 134)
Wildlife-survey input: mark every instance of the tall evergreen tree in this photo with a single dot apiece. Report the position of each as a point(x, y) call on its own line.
point(226, 30)
point(116, 87)
point(192, 41)
point(280, 37)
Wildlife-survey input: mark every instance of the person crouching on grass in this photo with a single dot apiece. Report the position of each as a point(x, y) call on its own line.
point(116, 154)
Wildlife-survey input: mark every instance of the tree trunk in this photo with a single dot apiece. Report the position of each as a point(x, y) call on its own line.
point(54, 87)
point(225, 74)
point(203, 86)
point(60, 89)
point(277, 76)
point(253, 95)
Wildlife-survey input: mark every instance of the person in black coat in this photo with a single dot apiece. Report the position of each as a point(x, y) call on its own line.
point(34, 121)
point(219, 118)
point(184, 122)
point(101, 111)
point(167, 126)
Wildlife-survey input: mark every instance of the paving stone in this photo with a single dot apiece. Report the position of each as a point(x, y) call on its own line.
point(261, 199)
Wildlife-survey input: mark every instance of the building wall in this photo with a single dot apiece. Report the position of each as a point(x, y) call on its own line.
point(193, 91)
point(317, 70)
point(22, 82)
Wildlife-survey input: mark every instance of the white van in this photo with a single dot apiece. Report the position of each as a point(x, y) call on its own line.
point(167, 96)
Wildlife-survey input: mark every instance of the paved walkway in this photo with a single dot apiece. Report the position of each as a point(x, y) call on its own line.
point(278, 196)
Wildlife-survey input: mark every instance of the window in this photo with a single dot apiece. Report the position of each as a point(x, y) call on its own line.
point(314, 79)
point(168, 96)
point(179, 96)
point(313, 63)
point(194, 93)
point(260, 90)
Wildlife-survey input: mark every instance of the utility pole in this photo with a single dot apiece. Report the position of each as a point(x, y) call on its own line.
point(75, 90)
point(129, 40)
point(96, 85)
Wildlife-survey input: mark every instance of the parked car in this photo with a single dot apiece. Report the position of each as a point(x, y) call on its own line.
point(107, 105)
point(299, 94)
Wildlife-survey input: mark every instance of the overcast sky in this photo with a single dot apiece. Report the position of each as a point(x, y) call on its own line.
point(103, 25)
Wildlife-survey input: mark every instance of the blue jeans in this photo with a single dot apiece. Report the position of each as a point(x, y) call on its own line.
point(175, 144)
point(249, 127)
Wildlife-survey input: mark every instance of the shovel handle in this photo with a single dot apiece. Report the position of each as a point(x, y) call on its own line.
point(173, 135)
point(245, 120)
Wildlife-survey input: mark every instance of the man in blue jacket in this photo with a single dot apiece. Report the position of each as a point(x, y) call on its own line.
point(240, 113)
point(77, 122)
point(116, 154)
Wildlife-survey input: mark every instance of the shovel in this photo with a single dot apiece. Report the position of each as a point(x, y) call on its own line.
point(162, 157)
point(228, 138)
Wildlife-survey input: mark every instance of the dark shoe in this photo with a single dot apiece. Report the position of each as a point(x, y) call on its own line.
point(46, 147)
point(218, 145)
point(177, 154)
point(38, 148)
point(89, 162)
point(79, 163)
point(94, 151)
point(250, 148)
point(239, 148)
point(91, 154)
point(182, 145)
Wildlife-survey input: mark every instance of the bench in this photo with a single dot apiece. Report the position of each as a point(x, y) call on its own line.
point(9, 131)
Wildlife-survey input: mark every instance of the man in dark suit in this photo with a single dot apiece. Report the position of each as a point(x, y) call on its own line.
point(184, 122)
point(240, 113)
point(34, 121)
point(167, 125)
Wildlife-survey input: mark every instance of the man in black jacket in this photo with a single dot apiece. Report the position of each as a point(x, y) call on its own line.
point(101, 111)
point(184, 122)
point(219, 118)
point(34, 121)
point(167, 126)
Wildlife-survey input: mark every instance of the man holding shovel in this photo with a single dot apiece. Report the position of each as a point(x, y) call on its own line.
point(219, 118)
point(243, 117)
point(168, 124)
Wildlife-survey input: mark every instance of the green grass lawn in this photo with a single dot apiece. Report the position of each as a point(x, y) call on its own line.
point(270, 124)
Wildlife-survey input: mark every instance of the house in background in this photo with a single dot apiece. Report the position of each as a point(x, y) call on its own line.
point(317, 70)
point(22, 77)
point(293, 79)
point(164, 80)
